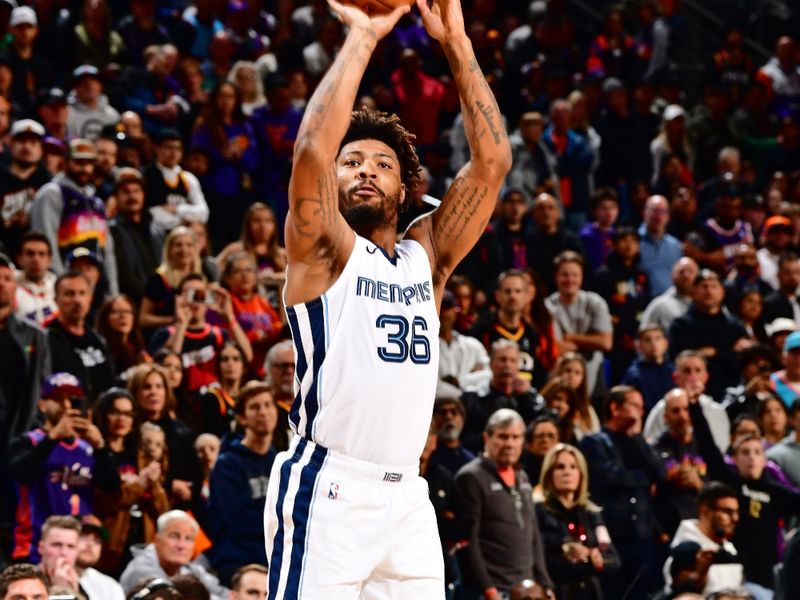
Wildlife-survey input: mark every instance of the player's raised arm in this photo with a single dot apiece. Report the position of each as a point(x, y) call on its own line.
point(467, 206)
point(314, 226)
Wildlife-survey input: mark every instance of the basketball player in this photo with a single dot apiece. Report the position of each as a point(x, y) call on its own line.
point(347, 515)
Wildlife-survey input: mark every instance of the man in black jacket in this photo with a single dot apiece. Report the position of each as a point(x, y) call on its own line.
point(137, 241)
point(496, 507)
point(784, 302)
point(622, 468)
point(74, 347)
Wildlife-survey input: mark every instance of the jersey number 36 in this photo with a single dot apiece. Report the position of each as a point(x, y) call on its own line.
point(400, 345)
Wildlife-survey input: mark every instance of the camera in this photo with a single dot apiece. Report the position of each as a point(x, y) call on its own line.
point(201, 297)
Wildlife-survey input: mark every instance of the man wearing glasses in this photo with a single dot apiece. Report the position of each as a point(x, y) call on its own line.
point(505, 546)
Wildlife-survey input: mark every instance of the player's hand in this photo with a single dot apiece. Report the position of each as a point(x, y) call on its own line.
point(379, 24)
point(443, 20)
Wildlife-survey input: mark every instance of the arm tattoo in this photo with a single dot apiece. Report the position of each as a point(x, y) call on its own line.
point(488, 114)
point(462, 207)
point(305, 212)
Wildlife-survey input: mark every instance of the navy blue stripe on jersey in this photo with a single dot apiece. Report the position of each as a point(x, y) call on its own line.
point(302, 365)
point(316, 318)
point(300, 517)
point(276, 560)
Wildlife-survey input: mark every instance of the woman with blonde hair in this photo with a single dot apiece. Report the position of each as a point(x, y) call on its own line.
point(260, 239)
point(572, 367)
point(244, 76)
point(180, 257)
point(576, 542)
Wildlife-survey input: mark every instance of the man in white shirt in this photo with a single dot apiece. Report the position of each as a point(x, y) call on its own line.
point(463, 361)
point(90, 546)
point(35, 296)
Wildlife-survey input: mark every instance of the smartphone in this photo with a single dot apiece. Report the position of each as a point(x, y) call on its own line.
point(81, 404)
point(201, 297)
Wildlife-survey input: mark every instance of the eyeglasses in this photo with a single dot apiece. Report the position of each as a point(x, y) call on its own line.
point(284, 366)
point(120, 413)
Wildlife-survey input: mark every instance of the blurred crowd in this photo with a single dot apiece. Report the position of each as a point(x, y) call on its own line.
point(617, 413)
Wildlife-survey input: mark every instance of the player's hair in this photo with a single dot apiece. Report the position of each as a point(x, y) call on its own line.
point(236, 580)
point(250, 390)
point(60, 522)
point(19, 572)
point(713, 491)
point(502, 418)
point(35, 236)
point(370, 125)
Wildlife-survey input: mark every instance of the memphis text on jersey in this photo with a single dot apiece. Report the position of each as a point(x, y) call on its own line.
point(392, 292)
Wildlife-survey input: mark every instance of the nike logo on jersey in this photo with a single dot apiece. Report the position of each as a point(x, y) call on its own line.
point(372, 249)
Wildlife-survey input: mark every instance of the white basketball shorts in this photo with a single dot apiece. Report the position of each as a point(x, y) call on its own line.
point(338, 528)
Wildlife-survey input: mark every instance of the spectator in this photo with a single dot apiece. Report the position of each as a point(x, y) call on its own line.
point(239, 485)
point(574, 160)
point(256, 316)
point(190, 587)
point(74, 347)
point(31, 71)
point(773, 419)
point(155, 588)
point(540, 435)
point(660, 251)
point(684, 219)
point(691, 374)
point(26, 361)
point(180, 257)
point(249, 581)
point(89, 110)
point(448, 423)
point(596, 235)
point(217, 406)
point(718, 515)
point(757, 532)
point(22, 177)
point(95, 40)
point(651, 371)
point(141, 480)
point(707, 329)
point(174, 195)
point(280, 369)
point(778, 232)
point(244, 75)
point(35, 296)
point(105, 169)
point(756, 366)
point(785, 453)
point(463, 360)
point(69, 213)
point(672, 140)
point(137, 241)
point(52, 112)
point(505, 544)
point(511, 228)
point(743, 281)
point(674, 302)
point(155, 404)
point(621, 470)
point(783, 302)
point(192, 337)
point(676, 496)
point(572, 367)
point(789, 575)
point(260, 239)
point(207, 446)
point(22, 581)
point(512, 297)
point(533, 166)
point(577, 546)
point(276, 126)
point(548, 238)
point(116, 322)
point(782, 76)
point(507, 389)
point(224, 131)
point(582, 320)
point(714, 246)
point(171, 554)
point(625, 284)
point(786, 382)
point(173, 367)
point(56, 467)
point(561, 402)
point(69, 549)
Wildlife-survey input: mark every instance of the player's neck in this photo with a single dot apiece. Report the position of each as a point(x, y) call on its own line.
point(383, 237)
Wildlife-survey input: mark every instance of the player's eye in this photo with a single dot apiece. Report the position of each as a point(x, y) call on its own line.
point(351, 163)
point(384, 165)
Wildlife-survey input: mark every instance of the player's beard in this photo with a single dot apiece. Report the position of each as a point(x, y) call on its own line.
point(365, 217)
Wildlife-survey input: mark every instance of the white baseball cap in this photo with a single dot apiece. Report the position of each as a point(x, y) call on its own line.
point(23, 15)
point(27, 126)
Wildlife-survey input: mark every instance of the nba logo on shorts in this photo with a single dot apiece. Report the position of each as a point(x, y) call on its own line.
point(333, 492)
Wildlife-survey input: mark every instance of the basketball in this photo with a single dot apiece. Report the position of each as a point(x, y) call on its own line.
point(374, 7)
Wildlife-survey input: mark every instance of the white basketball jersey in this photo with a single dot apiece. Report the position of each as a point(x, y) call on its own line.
point(367, 356)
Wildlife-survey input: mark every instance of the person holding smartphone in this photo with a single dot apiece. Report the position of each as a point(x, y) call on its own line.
point(193, 337)
point(56, 467)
